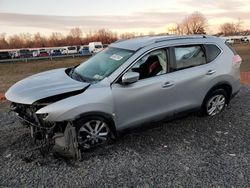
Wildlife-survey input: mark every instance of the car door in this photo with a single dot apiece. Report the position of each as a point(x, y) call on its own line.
point(151, 97)
point(191, 74)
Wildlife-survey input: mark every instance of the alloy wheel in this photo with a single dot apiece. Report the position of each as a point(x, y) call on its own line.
point(93, 133)
point(216, 104)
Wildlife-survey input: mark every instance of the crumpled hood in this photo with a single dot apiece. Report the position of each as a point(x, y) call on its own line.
point(43, 85)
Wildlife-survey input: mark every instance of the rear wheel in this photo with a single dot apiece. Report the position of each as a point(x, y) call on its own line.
point(92, 131)
point(215, 102)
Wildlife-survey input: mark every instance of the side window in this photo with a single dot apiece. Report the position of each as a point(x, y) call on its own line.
point(212, 51)
point(152, 64)
point(188, 56)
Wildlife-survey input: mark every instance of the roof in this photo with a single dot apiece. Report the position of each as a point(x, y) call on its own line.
point(140, 42)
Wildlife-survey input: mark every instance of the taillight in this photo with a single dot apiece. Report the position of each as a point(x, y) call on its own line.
point(237, 61)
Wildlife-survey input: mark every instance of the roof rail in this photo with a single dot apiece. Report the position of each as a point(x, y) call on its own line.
point(180, 37)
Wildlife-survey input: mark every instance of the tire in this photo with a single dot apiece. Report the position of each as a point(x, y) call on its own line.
point(215, 102)
point(93, 131)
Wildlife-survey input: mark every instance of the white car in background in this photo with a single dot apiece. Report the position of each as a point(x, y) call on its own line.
point(35, 53)
point(230, 41)
point(246, 39)
point(95, 47)
point(69, 50)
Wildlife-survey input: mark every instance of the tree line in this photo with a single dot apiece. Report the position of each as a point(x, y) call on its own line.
point(195, 23)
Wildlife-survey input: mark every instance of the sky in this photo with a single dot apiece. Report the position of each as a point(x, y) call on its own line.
point(141, 16)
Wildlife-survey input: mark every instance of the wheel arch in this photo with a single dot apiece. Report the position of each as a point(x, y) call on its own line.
point(221, 85)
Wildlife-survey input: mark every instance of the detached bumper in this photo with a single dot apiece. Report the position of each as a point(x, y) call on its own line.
point(66, 143)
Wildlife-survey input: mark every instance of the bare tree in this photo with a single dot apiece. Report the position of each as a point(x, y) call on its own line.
point(228, 29)
point(39, 40)
point(231, 28)
point(103, 35)
point(127, 35)
point(56, 39)
point(195, 23)
point(3, 41)
point(76, 32)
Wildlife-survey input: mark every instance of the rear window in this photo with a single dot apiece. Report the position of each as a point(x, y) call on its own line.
point(71, 48)
point(188, 56)
point(24, 51)
point(231, 48)
point(4, 53)
point(212, 51)
point(98, 46)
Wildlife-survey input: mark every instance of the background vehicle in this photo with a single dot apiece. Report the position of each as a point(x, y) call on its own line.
point(246, 39)
point(69, 50)
point(95, 47)
point(25, 53)
point(4, 55)
point(35, 53)
point(43, 53)
point(56, 52)
point(72, 50)
point(84, 50)
point(230, 41)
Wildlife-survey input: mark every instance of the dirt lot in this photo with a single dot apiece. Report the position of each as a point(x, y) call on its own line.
point(189, 152)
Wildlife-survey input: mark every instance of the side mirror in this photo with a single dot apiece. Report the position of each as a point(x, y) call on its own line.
point(130, 77)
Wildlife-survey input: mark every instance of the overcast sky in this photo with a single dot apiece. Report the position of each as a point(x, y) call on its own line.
point(47, 16)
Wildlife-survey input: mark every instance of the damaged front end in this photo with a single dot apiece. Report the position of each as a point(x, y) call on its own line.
point(60, 137)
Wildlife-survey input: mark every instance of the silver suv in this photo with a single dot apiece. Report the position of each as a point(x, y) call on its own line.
point(129, 83)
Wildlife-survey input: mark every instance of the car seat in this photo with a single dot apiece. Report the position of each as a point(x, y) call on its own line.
point(150, 67)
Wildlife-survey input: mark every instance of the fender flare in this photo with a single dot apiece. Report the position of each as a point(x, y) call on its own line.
point(220, 85)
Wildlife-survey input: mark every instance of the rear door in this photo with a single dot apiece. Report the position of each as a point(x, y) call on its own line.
point(192, 75)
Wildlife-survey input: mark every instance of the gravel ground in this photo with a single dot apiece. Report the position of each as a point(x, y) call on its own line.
point(189, 152)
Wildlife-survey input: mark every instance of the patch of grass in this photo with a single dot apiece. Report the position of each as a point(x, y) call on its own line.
point(10, 73)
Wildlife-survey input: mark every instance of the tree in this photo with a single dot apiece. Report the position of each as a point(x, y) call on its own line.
point(15, 41)
point(231, 28)
point(39, 40)
point(56, 39)
point(228, 29)
point(127, 35)
point(74, 36)
point(195, 23)
point(3, 42)
point(102, 35)
point(76, 32)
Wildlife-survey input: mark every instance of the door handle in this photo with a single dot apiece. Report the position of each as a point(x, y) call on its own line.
point(168, 84)
point(210, 72)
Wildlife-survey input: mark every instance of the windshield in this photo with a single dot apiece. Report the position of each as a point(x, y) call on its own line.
point(103, 64)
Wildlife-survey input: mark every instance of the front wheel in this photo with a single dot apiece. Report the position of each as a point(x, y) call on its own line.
point(215, 102)
point(92, 131)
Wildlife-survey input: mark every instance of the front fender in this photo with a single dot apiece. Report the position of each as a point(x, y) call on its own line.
point(92, 100)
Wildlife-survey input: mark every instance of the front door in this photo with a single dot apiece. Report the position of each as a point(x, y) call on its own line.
point(151, 97)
